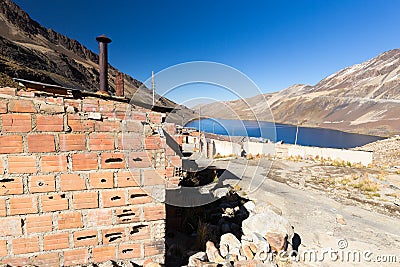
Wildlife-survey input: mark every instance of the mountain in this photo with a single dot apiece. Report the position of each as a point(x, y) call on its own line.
point(363, 98)
point(32, 52)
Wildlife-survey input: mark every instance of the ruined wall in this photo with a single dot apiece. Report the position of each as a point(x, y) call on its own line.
point(77, 178)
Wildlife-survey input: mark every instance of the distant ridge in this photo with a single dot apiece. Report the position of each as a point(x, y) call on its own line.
point(32, 52)
point(363, 98)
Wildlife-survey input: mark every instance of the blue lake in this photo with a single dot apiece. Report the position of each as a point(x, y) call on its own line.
point(281, 132)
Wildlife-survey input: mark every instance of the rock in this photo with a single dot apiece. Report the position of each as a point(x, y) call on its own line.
point(248, 263)
point(340, 219)
point(262, 247)
point(265, 222)
point(249, 206)
point(277, 242)
point(196, 258)
point(229, 212)
point(213, 253)
point(151, 263)
point(229, 244)
point(262, 206)
point(246, 250)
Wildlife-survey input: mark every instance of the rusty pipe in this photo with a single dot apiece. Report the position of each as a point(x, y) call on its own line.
point(103, 62)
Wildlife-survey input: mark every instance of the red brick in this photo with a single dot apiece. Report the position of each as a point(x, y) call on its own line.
point(3, 106)
point(99, 217)
point(79, 124)
point(11, 186)
point(113, 198)
point(90, 105)
point(25, 245)
point(101, 141)
point(155, 117)
point(71, 182)
point(38, 224)
point(113, 235)
point(112, 160)
point(70, 220)
point(138, 196)
point(10, 227)
point(130, 141)
point(20, 105)
point(153, 142)
point(248, 263)
point(8, 91)
point(76, 104)
point(55, 100)
point(101, 180)
point(169, 171)
point(127, 215)
point(20, 261)
point(55, 241)
point(129, 251)
point(54, 202)
point(54, 163)
point(2, 207)
point(107, 108)
point(71, 142)
point(107, 126)
point(138, 232)
point(48, 259)
point(154, 248)
point(153, 177)
point(85, 238)
point(139, 160)
point(85, 200)
point(25, 93)
point(22, 164)
point(153, 213)
point(23, 205)
point(16, 123)
point(49, 123)
point(76, 257)
point(3, 248)
point(175, 161)
point(41, 183)
point(81, 162)
point(103, 253)
point(137, 115)
point(41, 143)
point(128, 178)
point(11, 144)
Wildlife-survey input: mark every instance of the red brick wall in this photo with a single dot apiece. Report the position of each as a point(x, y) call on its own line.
point(74, 188)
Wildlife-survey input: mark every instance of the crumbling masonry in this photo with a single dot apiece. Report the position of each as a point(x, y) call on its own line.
point(78, 178)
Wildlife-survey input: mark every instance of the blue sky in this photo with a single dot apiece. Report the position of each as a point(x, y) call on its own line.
point(275, 43)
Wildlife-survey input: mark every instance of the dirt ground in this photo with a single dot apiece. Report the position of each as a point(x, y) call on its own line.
point(345, 216)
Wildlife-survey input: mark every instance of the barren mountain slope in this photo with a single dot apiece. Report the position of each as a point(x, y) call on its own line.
point(32, 52)
point(363, 98)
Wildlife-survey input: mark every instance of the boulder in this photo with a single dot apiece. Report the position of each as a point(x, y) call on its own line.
point(276, 241)
point(197, 258)
point(267, 222)
point(213, 253)
point(229, 244)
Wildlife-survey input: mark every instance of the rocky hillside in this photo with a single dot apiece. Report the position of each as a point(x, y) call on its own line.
point(363, 98)
point(32, 52)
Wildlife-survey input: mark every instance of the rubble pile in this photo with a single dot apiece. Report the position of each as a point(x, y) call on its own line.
point(263, 237)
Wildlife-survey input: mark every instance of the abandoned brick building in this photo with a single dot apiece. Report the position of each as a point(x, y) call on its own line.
point(82, 178)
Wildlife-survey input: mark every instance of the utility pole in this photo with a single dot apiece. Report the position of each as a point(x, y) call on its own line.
point(153, 86)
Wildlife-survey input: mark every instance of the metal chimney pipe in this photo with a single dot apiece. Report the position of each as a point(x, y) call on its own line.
point(103, 62)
